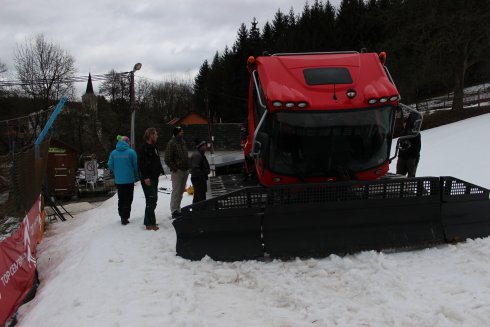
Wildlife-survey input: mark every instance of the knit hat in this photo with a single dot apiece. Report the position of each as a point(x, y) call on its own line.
point(123, 138)
point(200, 144)
point(176, 130)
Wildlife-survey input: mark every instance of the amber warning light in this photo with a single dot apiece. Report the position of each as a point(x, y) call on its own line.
point(251, 63)
point(382, 57)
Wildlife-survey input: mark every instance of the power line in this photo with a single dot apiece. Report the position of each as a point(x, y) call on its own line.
point(73, 79)
point(29, 116)
point(169, 79)
point(104, 77)
point(95, 78)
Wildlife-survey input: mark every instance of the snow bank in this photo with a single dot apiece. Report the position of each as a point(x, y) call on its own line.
point(96, 272)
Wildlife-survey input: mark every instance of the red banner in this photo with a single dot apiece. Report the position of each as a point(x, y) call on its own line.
point(18, 262)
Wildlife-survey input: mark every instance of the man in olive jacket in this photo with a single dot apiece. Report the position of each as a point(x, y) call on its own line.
point(177, 159)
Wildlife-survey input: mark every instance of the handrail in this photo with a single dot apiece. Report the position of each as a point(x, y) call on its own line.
point(314, 53)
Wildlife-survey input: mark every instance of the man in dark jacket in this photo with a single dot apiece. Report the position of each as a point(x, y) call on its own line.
point(177, 159)
point(150, 168)
point(409, 154)
point(199, 171)
point(124, 167)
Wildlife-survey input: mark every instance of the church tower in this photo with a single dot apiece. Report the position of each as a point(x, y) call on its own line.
point(89, 105)
point(89, 100)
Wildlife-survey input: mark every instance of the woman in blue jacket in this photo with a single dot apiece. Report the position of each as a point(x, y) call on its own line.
point(123, 163)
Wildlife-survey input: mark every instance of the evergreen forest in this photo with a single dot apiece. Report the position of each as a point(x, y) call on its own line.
point(433, 47)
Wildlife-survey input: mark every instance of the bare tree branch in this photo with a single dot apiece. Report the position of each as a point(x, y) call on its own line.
point(3, 68)
point(45, 68)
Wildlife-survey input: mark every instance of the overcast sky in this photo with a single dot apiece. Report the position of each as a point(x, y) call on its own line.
point(170, 38)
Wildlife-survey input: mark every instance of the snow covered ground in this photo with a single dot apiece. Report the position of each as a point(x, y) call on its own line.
point(96, 272)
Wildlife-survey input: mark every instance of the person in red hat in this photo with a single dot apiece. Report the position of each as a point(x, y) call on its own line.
point(200, 171)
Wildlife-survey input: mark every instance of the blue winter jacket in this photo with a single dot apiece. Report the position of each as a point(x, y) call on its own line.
point(123, 163)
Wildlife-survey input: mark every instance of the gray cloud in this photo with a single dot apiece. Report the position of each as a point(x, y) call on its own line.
point(169, 38)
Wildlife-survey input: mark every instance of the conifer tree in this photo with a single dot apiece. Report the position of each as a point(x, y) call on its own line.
point(200, 88)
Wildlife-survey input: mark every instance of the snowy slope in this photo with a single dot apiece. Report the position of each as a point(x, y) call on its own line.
point(96, 272)
point(460, 149)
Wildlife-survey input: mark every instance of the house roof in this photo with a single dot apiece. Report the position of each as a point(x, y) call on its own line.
point(188, 119)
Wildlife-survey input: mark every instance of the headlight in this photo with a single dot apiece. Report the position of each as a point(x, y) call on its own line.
point(351, 93)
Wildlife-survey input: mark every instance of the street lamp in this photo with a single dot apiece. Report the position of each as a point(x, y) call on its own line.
point(131, 101)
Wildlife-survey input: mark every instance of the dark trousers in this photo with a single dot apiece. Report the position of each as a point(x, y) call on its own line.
point(125, 199)
point(407, 166)
point(200, 188)
point(151, 196)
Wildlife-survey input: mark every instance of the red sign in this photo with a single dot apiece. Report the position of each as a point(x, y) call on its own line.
point(91, 171)
point(18, 262)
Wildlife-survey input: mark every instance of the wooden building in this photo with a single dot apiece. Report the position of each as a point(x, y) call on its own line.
point(62, 169)
point(192, 118)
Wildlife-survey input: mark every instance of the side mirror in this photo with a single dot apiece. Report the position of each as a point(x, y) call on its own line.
point(414, 119)
point(260, 144)
point(257, 147)
point(416, 126)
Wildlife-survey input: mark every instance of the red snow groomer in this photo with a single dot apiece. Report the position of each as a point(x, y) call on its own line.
point(319, 134)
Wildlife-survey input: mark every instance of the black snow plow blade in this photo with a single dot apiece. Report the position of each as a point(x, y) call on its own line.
point(316, 220)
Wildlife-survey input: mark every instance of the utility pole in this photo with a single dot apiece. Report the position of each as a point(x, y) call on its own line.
point(210, 136)
point(131, 102)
